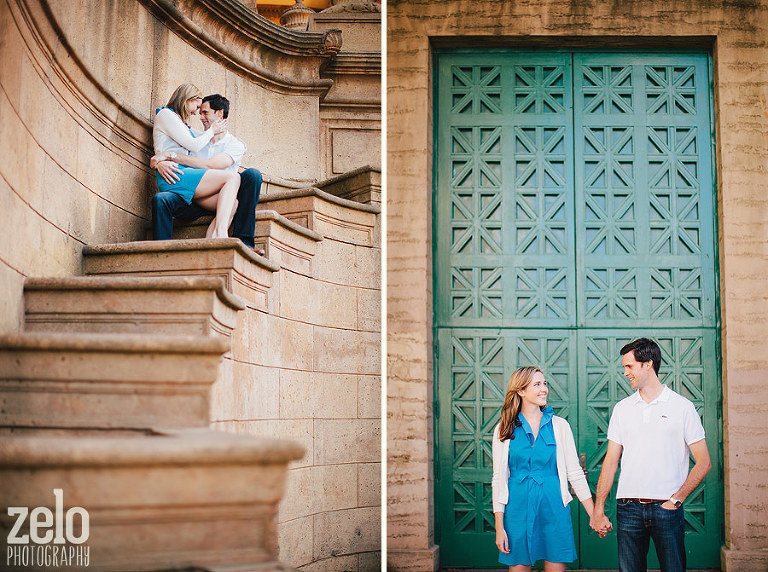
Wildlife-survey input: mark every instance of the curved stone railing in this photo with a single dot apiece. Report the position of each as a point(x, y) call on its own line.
point(248, 44)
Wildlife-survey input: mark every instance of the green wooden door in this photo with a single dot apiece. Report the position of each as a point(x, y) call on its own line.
point(573, 211)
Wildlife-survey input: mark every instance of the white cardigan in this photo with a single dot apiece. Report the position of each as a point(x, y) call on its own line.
point(171, 134)
point(568, 467)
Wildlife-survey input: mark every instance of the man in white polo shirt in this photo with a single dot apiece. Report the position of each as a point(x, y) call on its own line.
point(651, 432)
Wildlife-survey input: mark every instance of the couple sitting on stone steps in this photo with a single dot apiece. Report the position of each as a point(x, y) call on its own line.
point(197, 172)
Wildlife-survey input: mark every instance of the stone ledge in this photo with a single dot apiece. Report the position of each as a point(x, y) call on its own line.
point(743, 560)
point(113, 343)
point(172, 305)
point(361, 185)
point(329, 215)
point(200, 447)
point(156, 501)
point(245, 273)
point(180, 246)
point(126, 381)
point(286, 242)
point(417, 560)
point(248, 44)
point(127, 283)
point(355, 63)
point(319, 193)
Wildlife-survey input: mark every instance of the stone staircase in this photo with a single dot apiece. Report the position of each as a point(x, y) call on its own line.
point(110, 391)
point(106, 396)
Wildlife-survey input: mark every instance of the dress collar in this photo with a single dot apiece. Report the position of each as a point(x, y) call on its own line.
point(546, 417)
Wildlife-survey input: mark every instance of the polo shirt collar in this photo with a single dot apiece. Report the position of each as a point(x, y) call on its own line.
point(663, 396)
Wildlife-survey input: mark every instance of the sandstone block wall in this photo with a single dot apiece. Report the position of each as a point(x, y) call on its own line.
point(80, 83)
point(305, 366)
point(736, 33)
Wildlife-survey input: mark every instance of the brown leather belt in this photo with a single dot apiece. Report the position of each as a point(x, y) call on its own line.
point(646, 501)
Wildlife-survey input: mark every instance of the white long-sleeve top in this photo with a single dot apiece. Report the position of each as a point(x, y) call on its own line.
point(568, 467)
point(171, 134)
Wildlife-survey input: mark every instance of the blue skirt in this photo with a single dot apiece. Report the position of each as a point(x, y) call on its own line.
point(186, 186)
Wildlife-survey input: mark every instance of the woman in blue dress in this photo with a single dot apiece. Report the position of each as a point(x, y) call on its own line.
point(534, 458)
point(213, 189)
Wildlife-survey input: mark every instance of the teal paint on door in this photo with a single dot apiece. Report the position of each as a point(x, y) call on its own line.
point(573, 212)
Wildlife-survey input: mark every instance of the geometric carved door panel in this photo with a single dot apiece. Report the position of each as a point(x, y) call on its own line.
point(573, 211)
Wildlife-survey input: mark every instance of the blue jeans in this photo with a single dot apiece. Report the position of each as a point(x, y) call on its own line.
point(637, 524)
point(167, 205)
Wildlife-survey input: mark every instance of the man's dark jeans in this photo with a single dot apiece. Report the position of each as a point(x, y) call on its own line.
point(167, 205)
point(637, 523)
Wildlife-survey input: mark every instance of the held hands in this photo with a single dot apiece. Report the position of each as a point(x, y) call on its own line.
point(502, 543)
point(600, 524)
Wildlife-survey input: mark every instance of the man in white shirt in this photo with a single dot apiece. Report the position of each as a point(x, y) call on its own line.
point(651, 432)
point(224, 151)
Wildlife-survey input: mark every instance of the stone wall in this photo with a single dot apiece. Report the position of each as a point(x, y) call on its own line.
point(736, 32)
point(305, 365)
point(80, 83)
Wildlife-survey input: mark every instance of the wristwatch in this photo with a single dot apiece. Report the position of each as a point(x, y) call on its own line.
point(675, 502)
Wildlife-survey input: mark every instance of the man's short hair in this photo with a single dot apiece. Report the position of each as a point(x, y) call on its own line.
point(217, 102)
point(645, 350)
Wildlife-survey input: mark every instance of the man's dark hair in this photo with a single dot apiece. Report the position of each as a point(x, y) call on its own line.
point(217, 102)
point(645, 350)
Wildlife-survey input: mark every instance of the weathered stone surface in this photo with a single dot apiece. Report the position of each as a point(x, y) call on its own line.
point(245, 274)
point(347, 531)
point(744, 560)
point(191, 306)
point(362, 185)
point(294, 540)
point(326, 214)
point(107, 380)
point(347, 441)
point(285, 242)
point(154, 500)
point(359, 22)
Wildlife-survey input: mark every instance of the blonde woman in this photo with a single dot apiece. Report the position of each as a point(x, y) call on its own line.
point(534, 457)
point(212, 189)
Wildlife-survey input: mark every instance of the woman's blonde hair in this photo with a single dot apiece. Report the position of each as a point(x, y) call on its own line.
point(180, 97)
point(510, 411)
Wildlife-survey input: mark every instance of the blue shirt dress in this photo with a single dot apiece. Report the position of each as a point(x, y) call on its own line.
point(537, 524)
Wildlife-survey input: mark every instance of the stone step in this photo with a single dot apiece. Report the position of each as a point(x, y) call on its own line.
point(289, 244)
point(159, 500)
point(167, 305)
point(245, 273)
point(329, 215)
point(361, 185)
point(285, 242)
point(126, 381)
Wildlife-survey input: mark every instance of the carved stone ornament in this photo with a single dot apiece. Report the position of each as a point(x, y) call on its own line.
point(341, 6)
point(296, 17)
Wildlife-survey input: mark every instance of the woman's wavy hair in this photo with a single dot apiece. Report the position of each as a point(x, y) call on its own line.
point(510, 411)
point(180, 97)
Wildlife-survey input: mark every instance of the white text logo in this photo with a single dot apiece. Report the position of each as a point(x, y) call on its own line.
point(47, 532)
